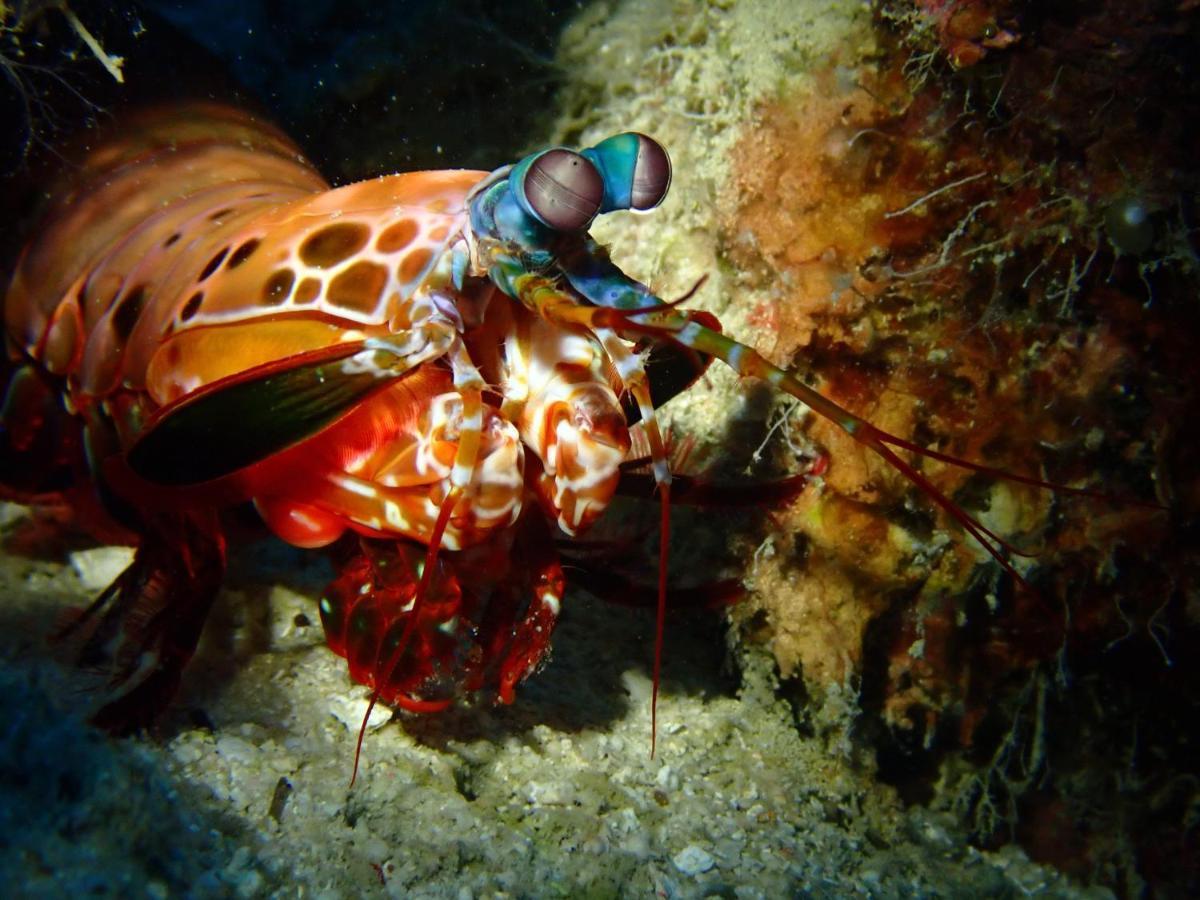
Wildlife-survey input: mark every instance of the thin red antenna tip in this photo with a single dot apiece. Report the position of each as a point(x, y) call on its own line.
point(362, 732)
point(664, 546)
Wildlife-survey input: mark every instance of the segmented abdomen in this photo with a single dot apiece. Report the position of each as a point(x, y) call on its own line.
point(147, 204)
point(192, 244)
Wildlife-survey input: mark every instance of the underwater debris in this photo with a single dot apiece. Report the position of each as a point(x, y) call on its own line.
point(112, 64)
point(19, 18)
point(39, 64)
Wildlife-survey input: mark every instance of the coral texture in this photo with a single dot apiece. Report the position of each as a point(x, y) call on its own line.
point(974, 225)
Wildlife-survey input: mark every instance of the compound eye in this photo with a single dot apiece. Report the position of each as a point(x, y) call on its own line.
point(563, 190)
point(651, 174)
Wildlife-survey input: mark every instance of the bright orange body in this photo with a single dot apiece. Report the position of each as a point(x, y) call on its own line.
point(195, 248)
point(431, 360)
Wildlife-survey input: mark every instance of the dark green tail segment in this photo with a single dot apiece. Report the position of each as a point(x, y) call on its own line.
point(246, 418)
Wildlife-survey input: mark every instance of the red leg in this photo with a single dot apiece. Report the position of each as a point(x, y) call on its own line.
point(141, 632)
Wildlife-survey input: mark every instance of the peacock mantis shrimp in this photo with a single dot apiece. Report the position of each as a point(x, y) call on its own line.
point(443, 362)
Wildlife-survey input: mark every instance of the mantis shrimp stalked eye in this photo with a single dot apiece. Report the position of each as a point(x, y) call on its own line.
point(559, 188)
point(444, 365)
point(636, 171)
